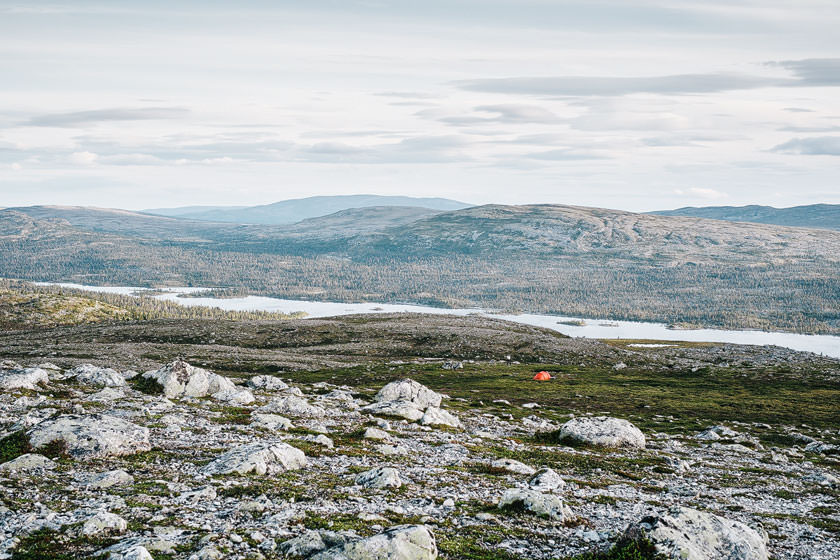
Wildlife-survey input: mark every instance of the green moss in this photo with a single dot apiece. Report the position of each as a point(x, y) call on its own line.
point(147, 385)
point(14, 445)
point(626, 549)
point(46, 544)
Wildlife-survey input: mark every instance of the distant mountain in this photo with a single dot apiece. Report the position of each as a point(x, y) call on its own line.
point(821, 216)
point(296, 210)
point(567, 260)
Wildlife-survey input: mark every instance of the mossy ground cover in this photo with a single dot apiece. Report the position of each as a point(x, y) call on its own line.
point(691, 399)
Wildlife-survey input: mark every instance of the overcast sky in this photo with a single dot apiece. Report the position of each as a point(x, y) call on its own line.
point(639, 105)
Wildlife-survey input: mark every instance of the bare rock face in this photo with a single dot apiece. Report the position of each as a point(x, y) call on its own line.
point(601, 431)
point(380, 477)
point(32, 379)
point(180, 379)
point(259, 458)
point(545, 505)
point(92, 436)
point(89, 374)
point(688, 534)
point(403, 542)
point(408, 390)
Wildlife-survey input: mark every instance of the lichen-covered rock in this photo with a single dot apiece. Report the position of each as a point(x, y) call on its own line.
point(89, 374)
point(375, 433)
point(439, 417)
point(267, 383)
point(104, 523)
point(27, 463)
point(602, 431)
point(399, 409)
point(513, 466)
point(303, 545)
point(688, 534)
point(271, 421)
point(108, 479)
point(92, 436)
point(545, 505)
point(235, 396)
point(403, 542)
point(180, 379)
point(259, 458)
point(715, 433)
point(546, 480)
point(32, 379)
point(293, 406)
point(380, 477)
point(408, 390)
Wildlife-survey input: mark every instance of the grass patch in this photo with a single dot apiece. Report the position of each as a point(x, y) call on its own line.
point(14, 445)
point(626, 549)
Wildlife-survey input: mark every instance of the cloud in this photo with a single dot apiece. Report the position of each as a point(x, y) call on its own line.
point(813, 71)
point(806, 73)
point(613, 86)
point(565, 155)
point(80, 118)
point(710, 194)
point(816, 146)
point(83, 158)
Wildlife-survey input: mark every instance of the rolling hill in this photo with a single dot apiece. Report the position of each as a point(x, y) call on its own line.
point(295, 210)
point(822, 216)
point(543, 258)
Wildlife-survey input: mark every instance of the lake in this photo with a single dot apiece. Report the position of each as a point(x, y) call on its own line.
point(572, 326)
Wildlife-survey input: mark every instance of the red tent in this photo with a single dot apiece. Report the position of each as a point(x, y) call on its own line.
point(542, 376)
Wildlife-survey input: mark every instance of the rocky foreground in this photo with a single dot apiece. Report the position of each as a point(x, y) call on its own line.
point(182, 462)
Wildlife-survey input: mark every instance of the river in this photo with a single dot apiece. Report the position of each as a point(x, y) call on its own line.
point(572, 326)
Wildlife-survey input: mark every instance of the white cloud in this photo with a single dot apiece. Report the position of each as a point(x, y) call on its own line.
point(83, 158)
point(699, 192)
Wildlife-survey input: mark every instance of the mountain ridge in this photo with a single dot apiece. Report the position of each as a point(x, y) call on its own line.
point(819, 216)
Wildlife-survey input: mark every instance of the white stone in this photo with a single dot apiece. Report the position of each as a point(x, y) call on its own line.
point(259, 458)
point(602, 431)
point(439, 417)
point(403, 542)
point(293, 406)
point(104, 523)
point(380, 477)
point(546, 505)
point(180, 379)
point(92, 436)
point(408, 390)
point(234, 396)
point(108, 479)
point(267, 383)
point(32, 379)
point(546, 480)
point(513, 466)
point(400, 409)
point(375, 433)
point(688, 534)
point(89, 374)
point(27, 463)
point(271, 421)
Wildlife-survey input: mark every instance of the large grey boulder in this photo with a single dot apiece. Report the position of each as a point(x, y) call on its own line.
point(689, 534)
point(408, 390)
point(293, 406)
point(92, 436)
point(259, 458)
point(399, 409)
point(544, 505)
point(380, 477)
point(602, 431)
point(180, 379)
point(271, 421)
point(513, 466)
point(403, 542)
point(104, 523)
point(32, 379)
point(439, 417)
point(267, 383)
point(546, 480)
point(89, 374)
point(27, 464)
point(107, 479)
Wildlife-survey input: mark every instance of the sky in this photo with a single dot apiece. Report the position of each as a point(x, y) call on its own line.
point(638, 105)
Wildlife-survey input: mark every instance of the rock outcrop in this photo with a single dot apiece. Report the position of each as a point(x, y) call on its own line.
point(180, 379)
point(259, 458)
point(601, 431)
point(91, 436)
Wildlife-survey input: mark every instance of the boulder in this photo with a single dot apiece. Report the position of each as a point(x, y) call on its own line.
point(267, 383)
point(234, 396)
point(513, 466)
point(375, 433)
point(688, 534)
point(400, 409)
point(104, 523)
point(27, 463)
point(715, 433)
point(92, 436)
point(259, 458)
point(180, 379)
point(546, 480)
point(271, 421)
point(89, 374)
point(293, 406)
point(439, 417)
point(543, 505)
point(32, 379)
point(408, 390)
point(602, 431)
point(107, 479)
point(403, 542)
point(380, 477)
point(303, 545)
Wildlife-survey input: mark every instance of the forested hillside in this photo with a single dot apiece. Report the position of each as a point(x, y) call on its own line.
point(550, 259)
